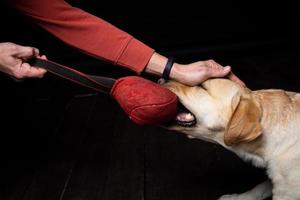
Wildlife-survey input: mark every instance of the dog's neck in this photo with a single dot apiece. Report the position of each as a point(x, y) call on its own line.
point(271, 102)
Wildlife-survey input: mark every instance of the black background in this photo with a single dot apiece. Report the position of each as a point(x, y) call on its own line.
point(61, 141)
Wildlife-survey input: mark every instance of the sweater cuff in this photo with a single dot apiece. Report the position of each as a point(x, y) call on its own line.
point(135, 56)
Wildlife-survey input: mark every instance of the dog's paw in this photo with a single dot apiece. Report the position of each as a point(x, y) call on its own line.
point(236, 197)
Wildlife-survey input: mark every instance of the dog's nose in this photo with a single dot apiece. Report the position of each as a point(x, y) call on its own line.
point(161, 81)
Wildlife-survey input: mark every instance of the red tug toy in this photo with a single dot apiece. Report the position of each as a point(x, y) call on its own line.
point(145, 102)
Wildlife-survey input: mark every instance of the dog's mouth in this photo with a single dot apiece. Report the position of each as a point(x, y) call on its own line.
point(185, 117)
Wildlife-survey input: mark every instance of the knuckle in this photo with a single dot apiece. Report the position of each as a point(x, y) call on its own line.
point(36, 50)
point(28, 49)
point(11, 46)
point(8, 43)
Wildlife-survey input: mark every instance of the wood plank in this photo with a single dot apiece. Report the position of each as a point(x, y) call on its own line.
point(55, 166)
point(90, 169)
point(111, 166)
point(125, 179)
point(20, 144)
point(179, 168)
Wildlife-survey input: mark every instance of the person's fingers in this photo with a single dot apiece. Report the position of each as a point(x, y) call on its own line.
point(214, 64)
point(43, 57)
point(218, 72)
point(35, 72)
point(20, 71)
point(36, 51)
point(234, 78)
point(41, 70)
point(25, 52)
point(31, 72)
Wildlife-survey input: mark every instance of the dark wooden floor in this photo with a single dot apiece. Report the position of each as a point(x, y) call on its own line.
point(82, 151)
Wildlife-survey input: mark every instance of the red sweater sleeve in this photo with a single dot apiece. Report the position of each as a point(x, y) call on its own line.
point(86, 32)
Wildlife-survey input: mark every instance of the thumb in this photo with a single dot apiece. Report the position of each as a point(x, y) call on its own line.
point(219, 72)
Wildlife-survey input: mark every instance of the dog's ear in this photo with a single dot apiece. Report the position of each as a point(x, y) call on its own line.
point(244, 124)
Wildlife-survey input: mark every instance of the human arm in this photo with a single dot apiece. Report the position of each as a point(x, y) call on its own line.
point(88, 33)
point(102, 40)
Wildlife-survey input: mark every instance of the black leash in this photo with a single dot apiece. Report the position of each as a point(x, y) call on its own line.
point(98, 83)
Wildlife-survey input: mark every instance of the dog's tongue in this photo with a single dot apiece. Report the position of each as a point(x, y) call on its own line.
point(185, 119)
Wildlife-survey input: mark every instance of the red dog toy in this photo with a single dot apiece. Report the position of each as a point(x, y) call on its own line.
point(145, 102)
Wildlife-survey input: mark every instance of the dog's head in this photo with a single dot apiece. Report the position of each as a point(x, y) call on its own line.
point(225, 112)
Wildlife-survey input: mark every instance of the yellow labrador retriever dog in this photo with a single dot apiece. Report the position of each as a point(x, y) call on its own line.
point(260, 126)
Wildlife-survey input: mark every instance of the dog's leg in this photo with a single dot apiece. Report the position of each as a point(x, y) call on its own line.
point(285, 176)
point(260, 192)
point(286, 191)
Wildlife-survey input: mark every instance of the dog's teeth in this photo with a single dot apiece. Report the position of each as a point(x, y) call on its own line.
point(186, 124)
point(189, 116)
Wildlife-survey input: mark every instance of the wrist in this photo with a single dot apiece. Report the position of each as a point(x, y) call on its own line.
point(167, 69)
point(156, 64)
point(176, 72)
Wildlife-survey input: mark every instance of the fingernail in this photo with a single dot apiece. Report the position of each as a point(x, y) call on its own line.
point(227, 67)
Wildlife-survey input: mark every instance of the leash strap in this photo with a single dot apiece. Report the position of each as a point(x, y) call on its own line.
point(98, 83)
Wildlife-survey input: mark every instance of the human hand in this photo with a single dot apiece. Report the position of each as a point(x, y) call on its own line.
point(13, 61)
point(194, 74)
point(197, 72)
point(191, 74)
